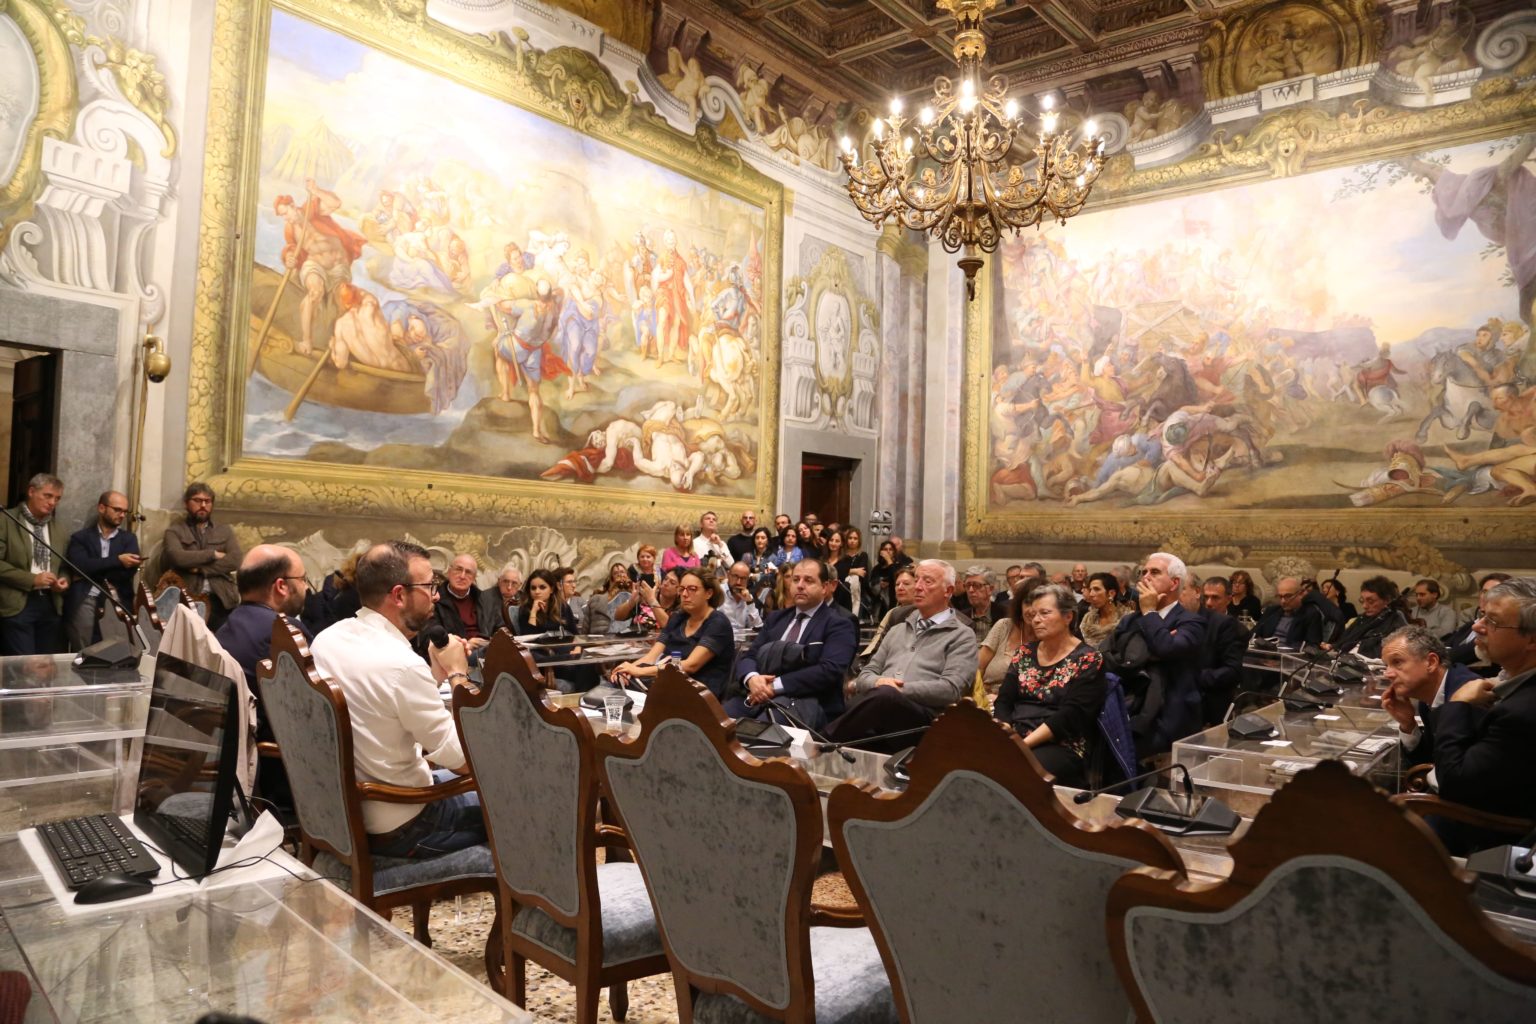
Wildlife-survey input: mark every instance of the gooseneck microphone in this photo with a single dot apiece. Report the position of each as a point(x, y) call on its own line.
point(1089, 794)
point(110, 592)
point(822, 741)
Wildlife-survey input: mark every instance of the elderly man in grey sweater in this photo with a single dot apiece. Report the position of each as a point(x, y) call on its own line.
point(927, 662)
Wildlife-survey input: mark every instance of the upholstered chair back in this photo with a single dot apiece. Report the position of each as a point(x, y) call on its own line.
point(987, 897)
point(166, 602)
point(309, 720)
point(528, 772)
point(727, 847)
point(1340, 907)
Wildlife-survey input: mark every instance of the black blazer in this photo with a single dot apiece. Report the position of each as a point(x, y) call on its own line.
point(1424, 752)
point(1174, 644)
point(1365, 635)
point(1308, 629)
point(1221, 663)
point(831, 639)
point(1486, 757)
point(85, 551)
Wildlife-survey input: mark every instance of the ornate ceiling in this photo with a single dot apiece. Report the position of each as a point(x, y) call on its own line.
point(822, 52)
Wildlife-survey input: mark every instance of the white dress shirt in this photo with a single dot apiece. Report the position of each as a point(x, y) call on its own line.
point(399, 721)
point(704, 547)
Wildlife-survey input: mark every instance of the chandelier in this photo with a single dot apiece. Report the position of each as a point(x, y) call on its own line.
point(949, 173)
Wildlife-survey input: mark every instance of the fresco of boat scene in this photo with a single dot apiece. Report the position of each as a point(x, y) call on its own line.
point(443, 280)
point(1339, 339)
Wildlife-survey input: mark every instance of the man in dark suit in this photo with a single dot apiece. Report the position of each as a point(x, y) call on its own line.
point(272, 584)
point(1419, 680)
point(813, 636)
point(1484, 736)
point(1291, 621)
point(108, 554)
point(1168, 696)
point(1221, 655)
point(1462, 641)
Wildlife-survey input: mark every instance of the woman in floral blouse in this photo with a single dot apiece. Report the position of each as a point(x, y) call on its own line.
point(1054, 688)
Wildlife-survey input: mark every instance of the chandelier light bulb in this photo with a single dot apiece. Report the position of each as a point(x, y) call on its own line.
point(906, 144)
point(895, 106)
point(1090, 128)
point(1081, 180)
point(1047, 101)
point(879, 128)
point(967, 88)
point(925, 116)
point(847, 144)
point(1011, 109)
point(1048, 123)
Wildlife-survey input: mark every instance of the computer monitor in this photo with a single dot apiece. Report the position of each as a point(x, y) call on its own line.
point(187, 775)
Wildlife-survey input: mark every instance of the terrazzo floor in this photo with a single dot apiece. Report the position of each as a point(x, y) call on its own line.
point(459, 930)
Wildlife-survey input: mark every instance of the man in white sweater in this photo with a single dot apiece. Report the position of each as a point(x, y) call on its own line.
point(399, 721)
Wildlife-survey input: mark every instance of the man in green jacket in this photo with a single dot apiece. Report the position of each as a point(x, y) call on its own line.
point(32, 583)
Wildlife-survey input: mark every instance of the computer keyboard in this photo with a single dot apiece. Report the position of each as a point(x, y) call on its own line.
point(93, 845)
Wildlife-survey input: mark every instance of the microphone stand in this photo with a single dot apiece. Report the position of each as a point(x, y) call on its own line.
point(1189, 787)
point(822, 742)
point(133, 623)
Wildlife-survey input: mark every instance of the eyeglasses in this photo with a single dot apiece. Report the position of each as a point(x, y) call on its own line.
point(290, 579)
point(429, 583)
point(1490, 624)
point(118, 509)
point(689, 588)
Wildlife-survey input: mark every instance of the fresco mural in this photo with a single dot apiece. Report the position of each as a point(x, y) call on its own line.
point(1338, 339)
point(443, 279)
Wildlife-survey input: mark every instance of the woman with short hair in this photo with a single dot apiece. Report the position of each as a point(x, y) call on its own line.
point(698, 637)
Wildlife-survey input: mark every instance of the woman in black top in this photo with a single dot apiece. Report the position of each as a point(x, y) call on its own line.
point(697, 638)
point(882, 578)
point(1055, 688)
point(1245, 596)
point(851, 563)
point(544, 611)
point(1336, 592)
point(760, 560)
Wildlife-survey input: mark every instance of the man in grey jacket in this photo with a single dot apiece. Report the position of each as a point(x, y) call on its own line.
point(926, 663)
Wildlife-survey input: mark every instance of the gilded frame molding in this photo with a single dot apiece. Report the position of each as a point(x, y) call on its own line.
point(1286, 142)
point(57, 102)
point(565, 85)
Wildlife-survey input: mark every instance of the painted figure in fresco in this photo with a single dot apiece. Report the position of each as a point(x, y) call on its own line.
point(321, 251)
point(362, 334)
point(1513, 467)
point(638, 274)
point(525, 329)
point(674, 301)
point(1440, 51)
point(435, 341)
point(1500, 200)
point(516, 261)
point(1375, 383)
point(580, 321)
point(726, 359)
point(390, 217)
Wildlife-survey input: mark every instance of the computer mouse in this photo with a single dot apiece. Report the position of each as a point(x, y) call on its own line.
point(113, 887)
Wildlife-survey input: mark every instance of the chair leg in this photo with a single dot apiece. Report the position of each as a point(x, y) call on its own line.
point(517, 984)
point(421, 917)
point(495, 957)
point(618, 1000)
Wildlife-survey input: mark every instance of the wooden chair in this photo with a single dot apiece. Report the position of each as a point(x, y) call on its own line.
point(986, 895)
point(1340, 907)
point(148, 616)
point(729, 847)
point(588, 923)
point(309, 718)
point(1419, 799)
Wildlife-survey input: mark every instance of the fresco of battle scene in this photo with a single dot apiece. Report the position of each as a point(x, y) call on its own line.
point(443, 280)
point(1338, 339)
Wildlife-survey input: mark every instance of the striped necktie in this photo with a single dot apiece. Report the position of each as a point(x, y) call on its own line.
point(923, 626)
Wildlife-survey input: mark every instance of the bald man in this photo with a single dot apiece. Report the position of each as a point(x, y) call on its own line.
point(271, 583)
point(460, 606)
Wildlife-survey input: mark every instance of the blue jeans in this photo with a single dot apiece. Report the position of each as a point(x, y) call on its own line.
point(443, 826)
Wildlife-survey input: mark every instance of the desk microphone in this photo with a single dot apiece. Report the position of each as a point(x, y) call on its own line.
point(1508, 866)
point(1189, 788)
point(110, 592)
point(1292, 702)
point(821, 740)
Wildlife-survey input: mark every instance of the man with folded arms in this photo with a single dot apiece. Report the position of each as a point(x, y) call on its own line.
point(1482, 740)
point(801, 654)
point(399, 722)
point(926, 663)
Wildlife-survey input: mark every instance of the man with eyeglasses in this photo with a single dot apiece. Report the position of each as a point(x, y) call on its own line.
point(459, 602)
point(272, 584)
point(738, 604)
point(1484, 736)
point(400, 725)
point(203, 553)
point(108, 554)
point(1165, 691)
point(1462, 641)
point(1291, 621)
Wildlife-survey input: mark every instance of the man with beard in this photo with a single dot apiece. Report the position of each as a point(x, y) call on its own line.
point(203, 553)
point(272, 584)
point(399, 721)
